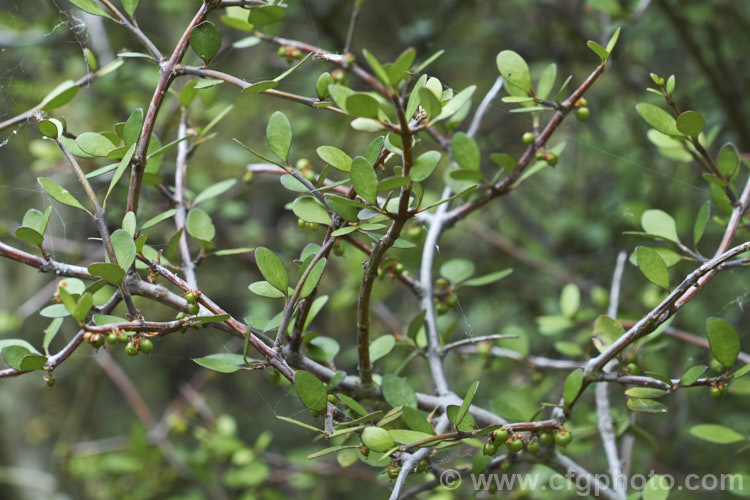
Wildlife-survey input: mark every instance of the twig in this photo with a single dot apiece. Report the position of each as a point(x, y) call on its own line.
point(180, 176)
point(352, 25)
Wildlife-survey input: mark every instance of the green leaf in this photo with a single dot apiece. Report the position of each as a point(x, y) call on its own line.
point(131, 132)
point(466, 403)
point(645, 392)
point(463, 174)
point(661, 224)
point(394, 182)
point(51, 331)
point(397, 71)
point(514, 69)
point(309, 209)
point(606, 331)
point(505, 161)
point(258, 87)
point(124, 247)
point(701, 221)
point(107, 271)
point(323, 349)
point(646, 405)
point(728, 160)
point(313, 278)
point(570, 300)
point(265, 15)
point(50, 128)
point(29, 235)
point(598, 50)
point(299, 424)
point(32, 362)
point(205, 40)
point(405, 436)
point(364, 179)
point(658, 119)
point(129, 223)
point(692, 374)
point(310, 390)
point(424, 165)
point(488, 278)
point(691, 123)
point(158, 218)
point(83, 307)
point(613, 40)
point(572, 386)
point(335, 158)
point(59, 193)
point(130, 6)
point(13, 355)
point(121, 167)
point(377, 68)
point(217, 365)
point(742, 371)
point(723, 340)
point(429, 102)
point(715, 433)
point(457, 270)
point(272, 268)
point(652, 266)
point(321, 86)
point(94, 144)
point(91, 7)
point(55, 311)
point(279, 135)
point(214, 190)
point(546, 81)
point(36, 219)
point(362, 105)
point(465, 151)
point(457, 103)
point(265, 289)
point(657, 488)
point(60, 96)
point(381, 346)
point(199, 225)
point(398, 392)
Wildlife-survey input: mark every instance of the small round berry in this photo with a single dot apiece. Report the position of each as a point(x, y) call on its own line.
point(313, 226)
point(632, 369)
point(309, 175)
point(49, 380)
point(338, 249)
point(97, 340)
point(414, 232)
point(282, 52)
point(715, 392)
point(514, 444)
point(533, 447)
point(582, 102)
point(146, 346)
point(393, 472)
point(539, 155)
point(249, 177)
point(583, 114)
point(489, 449)
point(546, 438)
point(273, 375)
point(193, 309)
point(124, 339)
point(301, 224)
point(398, 269)
point(441, 309)
point(131, 349)
point(113, 338)
point(181, 315)
point(552, 159)
point(451, 300)
point(528, 138)
point(563, 437)
point(441, 283)
point(500, 435)
point(724, 390)
point(190, 297)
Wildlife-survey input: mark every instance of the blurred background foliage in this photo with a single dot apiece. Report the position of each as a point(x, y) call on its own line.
point(83, 440)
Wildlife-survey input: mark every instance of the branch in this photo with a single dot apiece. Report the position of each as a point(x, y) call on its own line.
point(180, 176)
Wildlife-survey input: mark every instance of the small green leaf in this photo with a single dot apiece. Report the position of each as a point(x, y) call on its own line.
point(321, 86)
point(265, 15)
point(94, 144)
point(466, 403)
point(701, 221)
point(131, 132)
point(364, 179)
point(130, 6)
point(658, 119)
point(310, 390)
point(205, 40)
point(398, 392)
point(32, 362)
point(265, 289)
point(335, 158)
point(646, 405)
point(645, 392)
point(715, 433)
point(723, 340)
point(362, 105)
point(83, 307)
point(606, 331)
point(377, 68)
point(457, 103)
point(572, 386)
point(424, 165)
point(742, 371)
point(546, 81)
point(272, 268)
point(397, 71)
point(598, 50)
point(309, 209)
point(59, 193)
point(121, 167)
point(29, 235)
point(429, 102)
point(728, 160)
point(158, 218)
point(299, 424)
point(60, 96)
point(653, 266)
point(381, 347)
point(279, 135)
point(514, 69)
point(488, 278)
point(217, 365)
point(570, 300)
point(457, 270)
point(661, 224)
point(613, 41)
point(214, 190)
point(504, 161)
point(313, 278)
point(107, 271)
point(50, 128)
point(463, 174)
point(692, 374)
point(323, 349)
point(13, 355)
point(51, 331)
point(657, 488)
point(691, 123)
point(465, 151)
point(124, 247)
point(91, 7)
point(55, 310)
point(199, 225)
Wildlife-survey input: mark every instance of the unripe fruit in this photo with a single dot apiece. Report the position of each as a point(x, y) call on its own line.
point(582, 102)
point(528, 138)
point(551, 159)
point(441, 283)
point(377, 439)
point(393, 472)
point(131, 349)
point(441, 309)
point(193, 309)
point(338, 249)
point(489, 449)
point(451, 300)
point(49, 380)
point(181, 315)
point(632, 369)
point(302, 164)
point(146, 346)
point(539, 155)
point(301, 224)
point(724, 390)
point(514, 444)
point(715, 392)
point(583, 114)
point(563, 437)
point(333, 399)
point(313, 226)
point(97, 340)
point(282, 52)
point(414, 232)
point(398, 269)
point(113, 338)
point(309, 175)
point(534, 447)
point(546, 438)
point(248, 177)
point(124, 339)
point(190, 297)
